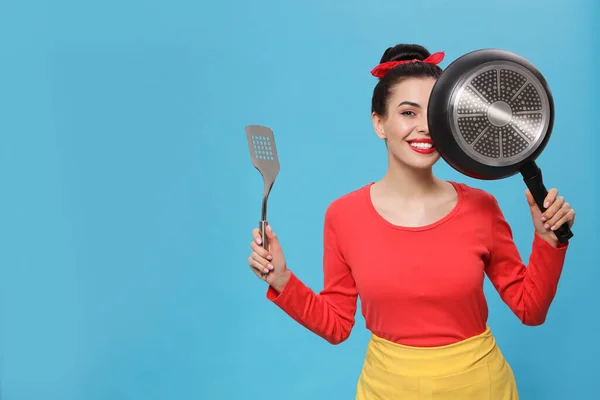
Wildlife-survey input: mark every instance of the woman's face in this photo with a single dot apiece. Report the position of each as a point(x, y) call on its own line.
point(404, 128)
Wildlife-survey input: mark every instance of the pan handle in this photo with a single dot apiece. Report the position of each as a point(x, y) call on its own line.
point(532, 176)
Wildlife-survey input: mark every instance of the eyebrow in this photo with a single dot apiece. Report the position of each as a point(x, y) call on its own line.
point(410, 103)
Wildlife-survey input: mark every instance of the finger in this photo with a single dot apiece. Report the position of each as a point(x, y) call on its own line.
point(558, 215)
point(553, 209)
point(264, 253)
point(258, 266)
point(568, 219)
point(264, 263)
point(258, 272)
point(256, 257)
point(254, 266)
point(550, 197)
point(256, 235)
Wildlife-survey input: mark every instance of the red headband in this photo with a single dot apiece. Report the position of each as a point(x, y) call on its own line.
point(382, 69)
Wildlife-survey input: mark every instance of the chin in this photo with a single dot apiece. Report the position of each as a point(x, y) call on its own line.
point(423, 164)
point(416, 160)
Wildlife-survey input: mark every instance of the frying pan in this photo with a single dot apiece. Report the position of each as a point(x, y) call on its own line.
point(490, 115)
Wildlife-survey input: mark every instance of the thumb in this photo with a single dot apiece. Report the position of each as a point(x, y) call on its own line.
point(534, 209)
point(530, 199)
point(273, 240)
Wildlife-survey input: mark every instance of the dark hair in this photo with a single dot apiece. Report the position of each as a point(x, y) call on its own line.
point(401, 52)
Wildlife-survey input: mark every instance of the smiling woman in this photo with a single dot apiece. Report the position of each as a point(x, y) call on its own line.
point(416, 249)
point(404, 127)
point(411, 97)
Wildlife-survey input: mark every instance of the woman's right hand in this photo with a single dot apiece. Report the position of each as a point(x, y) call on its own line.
point(269, 265)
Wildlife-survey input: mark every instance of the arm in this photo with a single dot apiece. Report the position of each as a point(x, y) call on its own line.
point(329, 314)
point(527, 290)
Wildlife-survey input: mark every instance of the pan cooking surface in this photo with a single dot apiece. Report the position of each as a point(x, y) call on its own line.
point(500, 113)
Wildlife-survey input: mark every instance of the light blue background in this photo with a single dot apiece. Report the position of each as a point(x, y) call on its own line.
point(128, 195)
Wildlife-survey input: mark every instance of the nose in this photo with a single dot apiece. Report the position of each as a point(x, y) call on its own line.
point(423, 126)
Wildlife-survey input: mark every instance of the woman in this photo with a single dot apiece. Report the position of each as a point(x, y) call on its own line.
point(416, 249)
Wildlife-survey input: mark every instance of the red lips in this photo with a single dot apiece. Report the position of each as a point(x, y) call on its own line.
point(422, 149)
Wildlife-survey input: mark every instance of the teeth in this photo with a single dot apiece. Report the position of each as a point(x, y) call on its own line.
point(421, 145)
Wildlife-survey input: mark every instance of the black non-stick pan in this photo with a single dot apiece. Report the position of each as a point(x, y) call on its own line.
point(490, 115)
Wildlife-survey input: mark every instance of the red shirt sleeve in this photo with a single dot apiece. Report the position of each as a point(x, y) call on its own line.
point(331, 313)
point(527, 290)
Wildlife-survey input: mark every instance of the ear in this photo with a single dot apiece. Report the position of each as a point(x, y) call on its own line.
point(378, 126)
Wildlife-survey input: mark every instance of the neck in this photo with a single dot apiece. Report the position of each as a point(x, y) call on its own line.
point(409, 182)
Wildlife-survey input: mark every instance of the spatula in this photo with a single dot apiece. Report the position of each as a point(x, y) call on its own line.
point(263, 152)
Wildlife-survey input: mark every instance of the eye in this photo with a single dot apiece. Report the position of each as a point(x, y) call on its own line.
point(408, 113)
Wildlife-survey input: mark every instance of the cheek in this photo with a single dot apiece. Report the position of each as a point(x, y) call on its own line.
point(398, 128)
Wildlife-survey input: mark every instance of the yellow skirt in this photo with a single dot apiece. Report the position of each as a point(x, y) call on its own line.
point(473, 369)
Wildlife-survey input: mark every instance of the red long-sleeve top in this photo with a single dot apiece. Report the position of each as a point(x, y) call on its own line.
point(421, 286)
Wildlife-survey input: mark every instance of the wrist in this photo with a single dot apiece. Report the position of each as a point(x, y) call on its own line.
point(281, 280)
point(550, 238)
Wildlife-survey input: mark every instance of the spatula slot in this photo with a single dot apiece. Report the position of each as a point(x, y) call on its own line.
point(262, 148)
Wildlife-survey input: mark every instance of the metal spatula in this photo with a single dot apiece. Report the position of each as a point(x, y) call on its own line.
point(263, 152)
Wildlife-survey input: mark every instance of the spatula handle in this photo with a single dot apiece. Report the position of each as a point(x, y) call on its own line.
point(262, 226)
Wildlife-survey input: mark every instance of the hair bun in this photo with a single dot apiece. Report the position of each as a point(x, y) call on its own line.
point(403, 52)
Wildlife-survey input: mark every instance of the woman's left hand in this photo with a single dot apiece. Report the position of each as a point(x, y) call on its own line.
point(558, 212)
